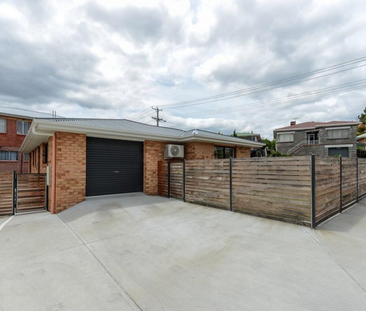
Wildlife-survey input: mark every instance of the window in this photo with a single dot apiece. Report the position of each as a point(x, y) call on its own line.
point(45, 153)
point(2, 125)
point(26, 157)
point(338, 134)
point(8, 155)
point(285, 137)
point(23, 127)
point(224, 152)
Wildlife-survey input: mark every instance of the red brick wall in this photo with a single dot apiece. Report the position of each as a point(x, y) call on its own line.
point(11, 141)
point(242, 152)
point(199, 150)
point(70, 170)
point(153, 153)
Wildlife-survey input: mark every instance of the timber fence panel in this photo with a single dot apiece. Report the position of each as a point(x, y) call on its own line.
point(6, 194)
point(327, 189)
point(349, 180)
point(208, 182)
point(31, 192)
point(163, 178)
point(277, 188)
point(176, 180)
point(361, 176)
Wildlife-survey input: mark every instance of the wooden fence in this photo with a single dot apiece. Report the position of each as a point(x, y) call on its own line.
point(276, 188)
point(6, 194)
point(26, 192)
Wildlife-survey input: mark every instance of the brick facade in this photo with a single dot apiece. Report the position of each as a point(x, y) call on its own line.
point(11, 141)
point(70, 170)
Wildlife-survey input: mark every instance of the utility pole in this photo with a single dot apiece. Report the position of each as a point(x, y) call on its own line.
point(157, 116)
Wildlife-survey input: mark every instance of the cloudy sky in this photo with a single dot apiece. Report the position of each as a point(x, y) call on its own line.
point(116, 59)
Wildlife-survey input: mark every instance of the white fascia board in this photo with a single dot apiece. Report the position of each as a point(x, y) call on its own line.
point(42, 129)
point(338, 146)
point(286, 133)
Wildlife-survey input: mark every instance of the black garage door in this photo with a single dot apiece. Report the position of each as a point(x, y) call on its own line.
point(113, 166)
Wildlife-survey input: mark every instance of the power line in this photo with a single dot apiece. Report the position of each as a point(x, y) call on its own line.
point(267, 87)
point(311, 95)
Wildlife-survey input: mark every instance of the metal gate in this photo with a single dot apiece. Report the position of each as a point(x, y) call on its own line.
point(29, 192)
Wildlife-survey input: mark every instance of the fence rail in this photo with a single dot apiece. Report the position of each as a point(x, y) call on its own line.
point(6, 194)
point(287, 189)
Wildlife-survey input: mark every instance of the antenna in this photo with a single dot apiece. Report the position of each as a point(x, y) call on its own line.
point(157, 115)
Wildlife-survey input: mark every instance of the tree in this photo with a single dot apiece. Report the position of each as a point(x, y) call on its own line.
point(234, 134)
point(271, 145)
point(362, 118)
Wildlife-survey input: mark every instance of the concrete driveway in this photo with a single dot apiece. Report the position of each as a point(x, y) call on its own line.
point(136, 252)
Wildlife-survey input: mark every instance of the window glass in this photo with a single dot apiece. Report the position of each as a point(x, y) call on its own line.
point(334, 134)
point(224, 152)
point(23, 127)
point(26, 157)
point(2, 125)
point(285, 137)
point(9, 156)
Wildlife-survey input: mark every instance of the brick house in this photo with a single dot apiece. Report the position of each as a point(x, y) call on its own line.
point(90, 157)
point(319, 138)
point(14, 125)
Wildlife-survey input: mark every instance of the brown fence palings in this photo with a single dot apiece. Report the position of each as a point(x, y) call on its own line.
point(31, 192)
point(6, 193)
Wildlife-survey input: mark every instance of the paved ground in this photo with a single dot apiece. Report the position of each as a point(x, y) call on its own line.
point(133, 252)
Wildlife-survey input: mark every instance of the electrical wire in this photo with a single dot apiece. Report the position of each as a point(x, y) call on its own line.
point(267, 87)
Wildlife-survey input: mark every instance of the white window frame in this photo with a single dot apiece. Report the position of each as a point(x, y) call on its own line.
point(344, 130)
point(2, 125)
point(21, 130)
point(9, 157)
point(285, 133)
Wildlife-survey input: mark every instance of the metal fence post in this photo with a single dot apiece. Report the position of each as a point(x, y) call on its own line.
point(313, 211)
point(231, 184)
point(184, 180)
point(340, 185)
point(14, 192)
point(356, 179)
point(168, 179)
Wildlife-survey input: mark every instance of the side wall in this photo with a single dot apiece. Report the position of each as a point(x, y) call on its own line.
point(70, 170)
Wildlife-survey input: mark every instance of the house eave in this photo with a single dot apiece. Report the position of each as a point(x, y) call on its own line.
point(41, 130)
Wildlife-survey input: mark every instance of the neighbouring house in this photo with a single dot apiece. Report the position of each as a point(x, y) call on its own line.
point(92, 157)
point(14, 125)
point(361, 139)
point(250, 136)
point(319, 138)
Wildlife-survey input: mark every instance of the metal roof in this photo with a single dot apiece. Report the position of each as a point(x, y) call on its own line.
point(361, 136)
point(24, 113)
point(41, 129)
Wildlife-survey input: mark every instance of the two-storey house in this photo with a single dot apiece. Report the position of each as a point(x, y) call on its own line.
point(319, 138)
point(14, 125)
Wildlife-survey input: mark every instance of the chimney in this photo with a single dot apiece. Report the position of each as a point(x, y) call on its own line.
point(292, 123)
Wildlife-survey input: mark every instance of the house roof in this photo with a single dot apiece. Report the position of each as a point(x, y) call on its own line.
point(248, 134)
point(23, 113)
point(41, 129)
point(361, 136)
point(314, 125)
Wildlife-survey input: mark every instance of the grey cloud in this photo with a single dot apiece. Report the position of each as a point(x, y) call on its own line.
point(137, 24)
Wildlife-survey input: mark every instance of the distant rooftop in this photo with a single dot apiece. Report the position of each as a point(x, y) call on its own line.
point(361, 136)
point(248, 134)
point(25, 113)
point(313, 125)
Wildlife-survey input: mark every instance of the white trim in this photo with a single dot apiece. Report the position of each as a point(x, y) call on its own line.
point(338, 146)
point(338, 128)
point(285, 133)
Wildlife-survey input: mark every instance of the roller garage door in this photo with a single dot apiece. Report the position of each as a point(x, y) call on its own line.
point(113, 166)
